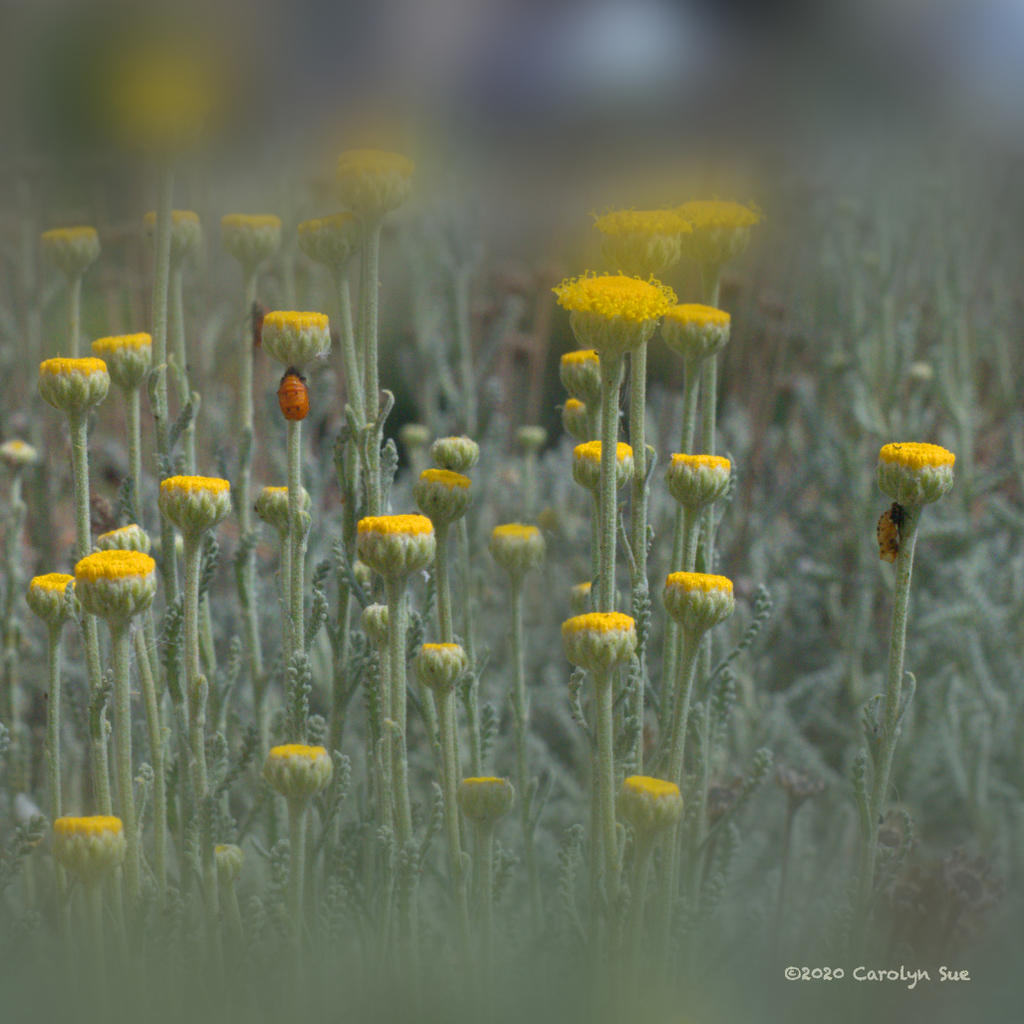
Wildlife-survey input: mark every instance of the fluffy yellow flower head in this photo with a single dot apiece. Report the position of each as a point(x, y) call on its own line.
point(296, 338)
point(89, 846)
point(586, 464)
point(113, 565)
point(698, 601)
point(373, 181)
point(695, 331)
point(697, 480)
point(195, 503)
point(615, 295)
point(298, 771)
point(649, 804)
point(613, 313)
point(442, 495)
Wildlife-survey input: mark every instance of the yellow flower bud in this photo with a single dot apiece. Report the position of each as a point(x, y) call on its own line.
point(297, 771)
point(485, 799)
point(599, 641)
point(913, 473)
point(128, 358)
point(698, 601)
point(89, 847)
point(396, 546)
point(73, 385)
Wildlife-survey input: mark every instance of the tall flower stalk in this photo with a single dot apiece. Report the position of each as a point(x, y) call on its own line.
point(73, 251)
point(913, 474)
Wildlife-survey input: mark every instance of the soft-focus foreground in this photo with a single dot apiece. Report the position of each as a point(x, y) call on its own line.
point(608, 701)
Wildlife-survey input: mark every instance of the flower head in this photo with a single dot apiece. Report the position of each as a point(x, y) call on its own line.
point(375, 624)
point(439, 666)
point(331, 240)
point(297, 771)
point(485, 799)
point(586, 464)
point(720, 229)
point(372, 181)
point(228, 859)
point(599, 641)
point(695, 331)
point(396, 546)
point(125, 538)
point(295, 339)
point(128, 358)
point(648, 804)
point(186, 233)
point(442, 495)
point(613, 313)
point(642, 242)
point(580, 373)
point(89, 847)
point(71, 250)
point(579, 597)
point(50, 598)
point(914, 473)
point(272, 507)
point(458, 454)
point(698, 601)
point(17, 454)
point(195, 503)
point(250, 237)
point(697, 480)
point(517, 548)
point(576, 420)
point(531, 438)
point(73, 385)
point(115, 585)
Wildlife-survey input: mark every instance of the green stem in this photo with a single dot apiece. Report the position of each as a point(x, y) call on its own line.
point(890, 724)
point(355, 387)
point(120, 642)
point(484, 886)
point(176, 318)
point(75, 314)
point(638, 526)
point(162, 270)
point(637, 887)
point(444, 593)
point(296, 862)
point(604, 771)
point(132, 399)
point(450, 780)
point(472, 694)
point(524, 783)
point(90, 627)
point(394, 589)
point(297, 535)
point(156, 756)
point(611, 372)
point(54, 651)
point(369, 284)
point(677, 750)
point(465, 341)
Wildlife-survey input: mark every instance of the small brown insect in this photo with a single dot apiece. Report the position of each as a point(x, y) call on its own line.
point(293, 395)
point(256, 314)
point(888, 532)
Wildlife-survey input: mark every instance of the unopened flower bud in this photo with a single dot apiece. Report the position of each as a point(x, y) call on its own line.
point(698, 601)
point(439, 666)
point(89, 847)
point(73, 385)
point(913, 473)
point(250, 238)
point(697, 480)
point(695, 331)
point(459, 454)
point(49, 597)
point(396, 546)
point(371, 182)
point(580, 372)
point(115, 585)
point(442, 496)
point(294, 339)
point(128, 358)
point(125, 538)
point(331, 240)
point(71, 250)
point(650, 805)
point(195, 503)
point(586, 465)
point(517, 548)
point(485, 799)
point(599, 641)
point(297, 771)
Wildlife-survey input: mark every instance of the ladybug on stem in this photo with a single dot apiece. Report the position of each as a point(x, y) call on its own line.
point(888, 532)
point(293, 395)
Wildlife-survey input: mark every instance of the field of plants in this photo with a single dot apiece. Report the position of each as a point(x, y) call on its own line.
point(423, 598)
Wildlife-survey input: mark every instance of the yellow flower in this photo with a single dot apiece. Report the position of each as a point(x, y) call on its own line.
point(89, 846)
point(396, 546)
point(517, 548)
point(296, 338)
point(73, 385)
point(586, 465)
point(698, 601)
point(195, 503)
point(115, 585)
point(721, 229)
point(49, 598)
point(186, 232)
point(649, 804)
point(458, 454)
point(598, 641)
point(695, 331)
point(372, 181)
point(442, 495)
point(331, 240)
point(613, 313)
point(914, 473)
point(297, 771)
point(16, 454)
point(71, 250)
point(615, 295)
point(485, 799)
point(642, 242)
point(128, 358)
point(125, 538)
point(696, 480)
point(250, 237)
point(580, 372)
point(439, 666)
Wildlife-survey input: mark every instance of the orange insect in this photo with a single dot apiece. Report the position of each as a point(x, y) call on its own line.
point(890, 522)
point(293, 395)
